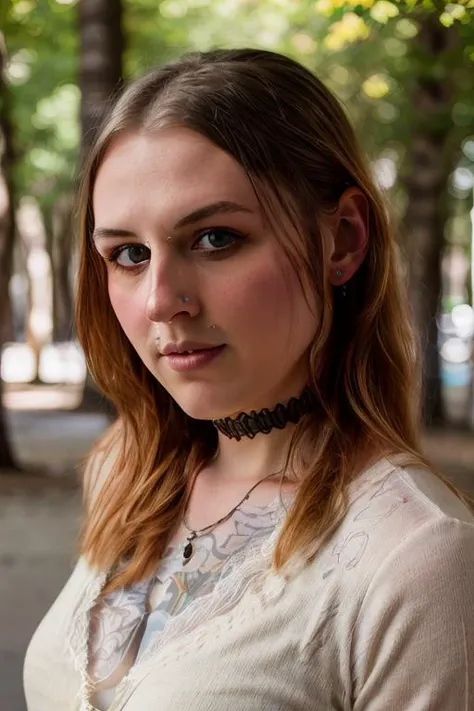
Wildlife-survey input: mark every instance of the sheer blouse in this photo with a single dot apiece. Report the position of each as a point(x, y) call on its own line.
point(382, 618)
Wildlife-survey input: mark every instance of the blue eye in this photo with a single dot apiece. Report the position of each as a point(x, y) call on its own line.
point(130, 255)
point(216, 240)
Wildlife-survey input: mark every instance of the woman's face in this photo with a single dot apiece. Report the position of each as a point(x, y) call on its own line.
point(192, 264)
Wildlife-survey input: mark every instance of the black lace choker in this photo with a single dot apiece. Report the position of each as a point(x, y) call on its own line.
point(248, 425)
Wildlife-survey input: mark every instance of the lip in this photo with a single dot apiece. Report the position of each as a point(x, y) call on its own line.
point(179, 348)
point(185, 362)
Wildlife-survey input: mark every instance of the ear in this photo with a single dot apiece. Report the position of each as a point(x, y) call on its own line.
point(350, 236)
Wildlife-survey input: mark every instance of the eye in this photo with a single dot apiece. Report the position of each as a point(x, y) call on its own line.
point(216, 240)
point(130, 255)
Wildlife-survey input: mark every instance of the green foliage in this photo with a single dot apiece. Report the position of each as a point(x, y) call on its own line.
point(42, 45)
point(160, 31)
point(366, 50)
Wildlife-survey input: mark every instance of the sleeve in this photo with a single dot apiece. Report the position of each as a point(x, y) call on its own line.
point(413, 642)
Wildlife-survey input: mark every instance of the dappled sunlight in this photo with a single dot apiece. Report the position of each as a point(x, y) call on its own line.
point(43, 397)
point(61, 376)
point(58, 363)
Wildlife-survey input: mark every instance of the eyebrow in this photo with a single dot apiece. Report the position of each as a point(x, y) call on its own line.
point(111, 232)
point(202, 213)
point(215, 208)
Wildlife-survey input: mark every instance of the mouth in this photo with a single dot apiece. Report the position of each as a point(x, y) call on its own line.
point(193, 358)
point(186, 347)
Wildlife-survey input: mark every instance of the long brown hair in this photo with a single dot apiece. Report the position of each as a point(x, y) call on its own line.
point(295, 143)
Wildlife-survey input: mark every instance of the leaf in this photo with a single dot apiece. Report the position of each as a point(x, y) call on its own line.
point(384, 11)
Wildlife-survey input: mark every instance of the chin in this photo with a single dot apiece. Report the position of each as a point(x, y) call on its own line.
point(204, 402)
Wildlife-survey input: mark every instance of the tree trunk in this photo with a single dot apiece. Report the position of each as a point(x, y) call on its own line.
point(100, 76)
point(429, 164)
point(101, 51)
point(61, 249)
point(31, 338)
point(7, 461)
point(7, 233)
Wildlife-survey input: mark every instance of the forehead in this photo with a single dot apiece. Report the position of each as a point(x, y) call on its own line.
point(172, 170)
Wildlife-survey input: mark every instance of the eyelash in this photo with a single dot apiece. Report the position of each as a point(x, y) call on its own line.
point(113, 257)
point(209, 253)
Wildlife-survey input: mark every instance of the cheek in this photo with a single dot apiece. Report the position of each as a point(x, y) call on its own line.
point(268, 299)
point(129, 310)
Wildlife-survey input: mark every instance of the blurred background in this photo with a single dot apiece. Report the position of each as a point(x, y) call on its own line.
point(405, 73)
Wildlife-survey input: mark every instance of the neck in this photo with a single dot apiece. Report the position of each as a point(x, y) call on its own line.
point(264, 450)
point(251, 459)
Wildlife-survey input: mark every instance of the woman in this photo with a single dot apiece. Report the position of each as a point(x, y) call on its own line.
point(261, 530)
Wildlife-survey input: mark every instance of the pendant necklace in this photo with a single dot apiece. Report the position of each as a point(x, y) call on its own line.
point(188, 550)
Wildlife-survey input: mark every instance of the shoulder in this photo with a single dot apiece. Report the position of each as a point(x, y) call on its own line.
point(393, 513)
point(405, 535)
point(392, 504)
point(413, 635)
point(100, 462)
point(422, 533)
point(400, 572)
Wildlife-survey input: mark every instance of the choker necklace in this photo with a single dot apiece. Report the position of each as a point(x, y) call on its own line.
point(248, 425)
point(188, 549)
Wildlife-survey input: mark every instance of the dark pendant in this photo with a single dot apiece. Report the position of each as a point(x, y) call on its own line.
point(188, 550)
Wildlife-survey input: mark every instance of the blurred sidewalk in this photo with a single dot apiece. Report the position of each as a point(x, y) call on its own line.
point(39, 510)
point(39, 516)
point(47, 432)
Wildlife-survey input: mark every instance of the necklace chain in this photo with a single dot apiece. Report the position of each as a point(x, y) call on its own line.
point(188, 547)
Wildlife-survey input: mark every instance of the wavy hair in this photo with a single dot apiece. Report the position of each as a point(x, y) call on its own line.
point(297, 147)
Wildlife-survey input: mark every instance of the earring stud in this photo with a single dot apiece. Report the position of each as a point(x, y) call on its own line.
point(339, 272)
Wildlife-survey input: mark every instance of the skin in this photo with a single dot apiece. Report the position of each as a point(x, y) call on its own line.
point(243, 291)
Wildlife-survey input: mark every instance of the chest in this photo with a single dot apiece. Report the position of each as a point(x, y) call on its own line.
point(213, 501)
point(239, 664)
point(256, 654)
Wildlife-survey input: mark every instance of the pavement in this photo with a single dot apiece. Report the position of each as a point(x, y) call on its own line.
point(39, 517)
point(40, 509)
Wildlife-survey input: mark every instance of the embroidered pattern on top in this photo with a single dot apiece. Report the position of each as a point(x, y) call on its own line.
point(181, 599)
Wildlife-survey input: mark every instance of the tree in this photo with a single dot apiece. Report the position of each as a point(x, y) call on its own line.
point(7, 232)
point(405, 70)
point(100, 76)
point(100, 63)
point(430, 161)
point(44, 108)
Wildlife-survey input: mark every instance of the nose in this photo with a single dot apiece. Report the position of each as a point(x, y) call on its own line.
point(170, 292)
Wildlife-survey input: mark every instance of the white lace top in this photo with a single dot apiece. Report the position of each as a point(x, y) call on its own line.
point(128, 622)
point(381, 620)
